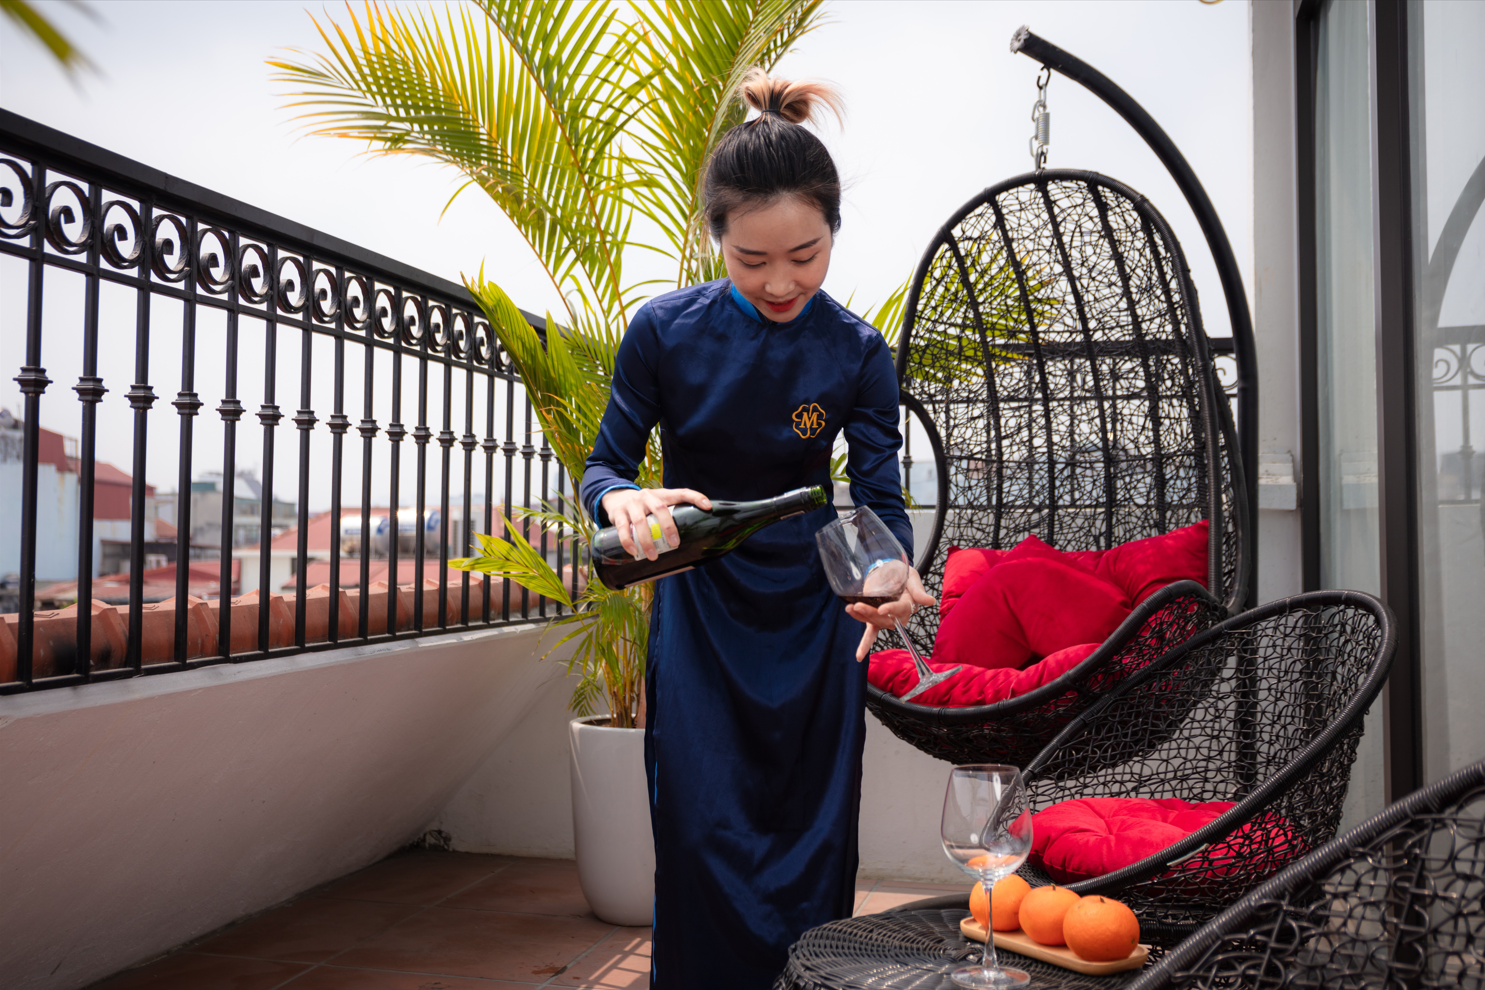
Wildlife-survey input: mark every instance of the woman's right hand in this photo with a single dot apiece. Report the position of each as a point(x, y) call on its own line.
point(627, 508)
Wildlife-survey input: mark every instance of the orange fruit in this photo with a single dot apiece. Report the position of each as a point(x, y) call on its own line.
point(1101, 929)
point(1042, 910)
point(1005, 903)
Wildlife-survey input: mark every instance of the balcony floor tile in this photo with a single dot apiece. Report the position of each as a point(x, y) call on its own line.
point(417, 876)
point(423, 920)
point(189, 971)
point(534, 886)
point(309, 930)
point(486, 944)
point(341, 978)
point(620, 962)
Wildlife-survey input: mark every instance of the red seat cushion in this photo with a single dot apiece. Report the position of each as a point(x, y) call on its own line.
point(1089, 837)
point(893, 672)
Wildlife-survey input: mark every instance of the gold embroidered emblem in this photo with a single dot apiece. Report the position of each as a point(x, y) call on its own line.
point(809, 419)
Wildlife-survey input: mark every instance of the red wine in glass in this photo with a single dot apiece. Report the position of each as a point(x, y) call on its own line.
point(865, 564)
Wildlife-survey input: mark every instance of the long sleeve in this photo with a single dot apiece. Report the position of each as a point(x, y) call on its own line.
point(874, 439)
point(633, 410)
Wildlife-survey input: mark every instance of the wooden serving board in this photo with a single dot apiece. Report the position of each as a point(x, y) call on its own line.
point(1057, 955)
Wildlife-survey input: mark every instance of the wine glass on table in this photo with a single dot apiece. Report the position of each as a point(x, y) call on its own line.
point(866, 564)
point(987, 831)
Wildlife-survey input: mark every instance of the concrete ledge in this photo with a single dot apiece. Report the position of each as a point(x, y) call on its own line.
point(142, 813)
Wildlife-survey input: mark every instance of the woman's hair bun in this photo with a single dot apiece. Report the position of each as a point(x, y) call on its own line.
point(795, 102)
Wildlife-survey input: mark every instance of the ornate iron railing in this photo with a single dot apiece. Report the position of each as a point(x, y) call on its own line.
point(77, 219)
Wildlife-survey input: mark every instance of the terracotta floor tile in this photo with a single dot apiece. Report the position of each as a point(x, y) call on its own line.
point(929, 888)
point(188, 971)
point(340, 978)
point(486, 944)
point(530, 886)
point(416, 877)
point(309, 930)
point(621, 961)
point(885, 900)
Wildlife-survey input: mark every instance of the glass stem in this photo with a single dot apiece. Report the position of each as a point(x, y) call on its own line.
point(923, 669)
point(989, 965)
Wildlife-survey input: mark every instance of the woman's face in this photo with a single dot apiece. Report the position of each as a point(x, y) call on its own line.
point(777, 255)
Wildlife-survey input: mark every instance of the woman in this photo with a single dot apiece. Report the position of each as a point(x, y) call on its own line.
point(754, 690)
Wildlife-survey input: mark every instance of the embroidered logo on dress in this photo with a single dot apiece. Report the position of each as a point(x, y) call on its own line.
point(809, 419)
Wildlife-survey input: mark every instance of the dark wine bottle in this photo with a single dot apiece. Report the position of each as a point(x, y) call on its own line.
point(706, 534)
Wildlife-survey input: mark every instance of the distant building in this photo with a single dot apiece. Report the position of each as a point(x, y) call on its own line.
point(247, 508)
point(58, 505)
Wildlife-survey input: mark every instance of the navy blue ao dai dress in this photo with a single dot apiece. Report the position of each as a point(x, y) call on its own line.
point(756, 704)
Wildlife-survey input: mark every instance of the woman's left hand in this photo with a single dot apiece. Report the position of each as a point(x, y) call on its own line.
point(877, 619)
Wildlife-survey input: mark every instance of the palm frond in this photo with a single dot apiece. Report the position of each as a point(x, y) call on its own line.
point(694, 54)
point(887, 317)
point(530, 102)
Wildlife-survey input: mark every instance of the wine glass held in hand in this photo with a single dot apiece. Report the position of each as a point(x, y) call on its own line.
point(986, 831)
point(866, 565)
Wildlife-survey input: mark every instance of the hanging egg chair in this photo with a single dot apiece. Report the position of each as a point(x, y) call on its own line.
point(1053, 352)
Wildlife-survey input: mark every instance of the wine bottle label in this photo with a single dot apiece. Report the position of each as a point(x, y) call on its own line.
point(650, 531)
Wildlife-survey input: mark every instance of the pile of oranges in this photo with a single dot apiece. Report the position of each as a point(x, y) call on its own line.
point(1098, 929)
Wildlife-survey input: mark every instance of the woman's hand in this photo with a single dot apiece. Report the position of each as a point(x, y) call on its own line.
point(877, 619)
point(627, 508)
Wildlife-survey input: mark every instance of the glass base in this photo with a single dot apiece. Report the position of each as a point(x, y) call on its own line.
point(973, 976)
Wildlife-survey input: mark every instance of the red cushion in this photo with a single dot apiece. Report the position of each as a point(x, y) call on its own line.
point(1088, 837)
point(962, 568)
point(1026, 607)
point(893, 672)
point(1143, 567)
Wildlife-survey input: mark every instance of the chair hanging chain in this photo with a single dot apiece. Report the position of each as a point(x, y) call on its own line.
point(1042, 139)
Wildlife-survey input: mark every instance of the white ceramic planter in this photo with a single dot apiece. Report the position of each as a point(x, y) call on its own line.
point(611, 822)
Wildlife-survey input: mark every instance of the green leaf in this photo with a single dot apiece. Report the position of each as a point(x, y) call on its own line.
point(32, 22)
point(515, 559)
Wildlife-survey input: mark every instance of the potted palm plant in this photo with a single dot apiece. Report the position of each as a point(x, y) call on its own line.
point(575, 121)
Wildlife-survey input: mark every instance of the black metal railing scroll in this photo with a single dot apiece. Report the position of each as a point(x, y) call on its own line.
point(165, 268)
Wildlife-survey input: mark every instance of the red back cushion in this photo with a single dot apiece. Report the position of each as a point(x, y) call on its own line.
point(893, 672)
point(1143, 567)
point(961, 570)
point(1028, 607)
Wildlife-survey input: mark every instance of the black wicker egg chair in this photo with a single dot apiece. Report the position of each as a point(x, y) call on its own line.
point(1053, 351)
point(1395, 902)
point(1264, 710)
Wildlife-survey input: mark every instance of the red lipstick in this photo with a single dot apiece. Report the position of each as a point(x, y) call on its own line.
point(782, 307)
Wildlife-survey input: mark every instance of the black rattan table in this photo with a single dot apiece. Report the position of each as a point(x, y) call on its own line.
point(912, 948)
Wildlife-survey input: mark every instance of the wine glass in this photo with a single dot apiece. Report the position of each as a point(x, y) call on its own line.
point(987, 832)
point(866, 564)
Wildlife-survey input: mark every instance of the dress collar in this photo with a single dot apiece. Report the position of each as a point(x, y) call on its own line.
point(752, 311)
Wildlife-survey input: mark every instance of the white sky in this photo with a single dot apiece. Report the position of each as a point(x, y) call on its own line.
point(938, 108)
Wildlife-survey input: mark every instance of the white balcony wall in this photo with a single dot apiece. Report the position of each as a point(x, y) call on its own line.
point(518, 802)
point(140, 814)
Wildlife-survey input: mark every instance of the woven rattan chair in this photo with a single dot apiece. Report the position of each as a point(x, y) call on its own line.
point(1265, 710)
point(1053, 351)
point(1395, 902)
